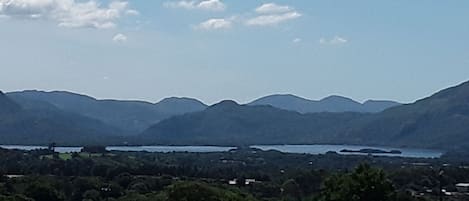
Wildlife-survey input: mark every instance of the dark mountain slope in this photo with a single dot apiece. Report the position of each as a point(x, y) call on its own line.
point(130, 116)
point(228, 123)
point(7, 106)
point(328, 104)
point(439, 121)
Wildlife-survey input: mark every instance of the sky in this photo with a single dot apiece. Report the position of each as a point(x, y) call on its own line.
point(214, 50)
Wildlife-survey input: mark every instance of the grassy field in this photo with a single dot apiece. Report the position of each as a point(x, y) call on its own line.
point(67, 156)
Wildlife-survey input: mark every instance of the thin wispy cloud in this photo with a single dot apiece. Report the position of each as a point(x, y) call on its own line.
point(273, 19)
point(273, 8)
point(297, 40)
point(132, 12)
point(68, 13)
point(215, 24)
point(272, 14)
point(119, 38)
point(336, 40)
point(210, 5)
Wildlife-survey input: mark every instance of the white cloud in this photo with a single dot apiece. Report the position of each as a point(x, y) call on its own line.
point(337, 40)
point(272, 14)
point(273, 8)
point(120, 38)
point(297, 40)
point(67, 13)
point(215, 24)
point(211, 5)
point(132, 12)
point(273, 19)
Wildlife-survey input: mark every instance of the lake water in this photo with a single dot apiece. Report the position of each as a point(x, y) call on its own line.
point(162, 149)
point(308, 149)
point(322, 149)
point(166, 149)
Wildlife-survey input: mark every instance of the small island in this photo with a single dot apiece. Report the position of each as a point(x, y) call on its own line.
point(371, 151)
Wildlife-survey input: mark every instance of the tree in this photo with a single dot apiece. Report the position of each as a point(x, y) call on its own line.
point(15, 198)
point(194, 191)
point(42, 192)
point(291, 190)
point(363, 184)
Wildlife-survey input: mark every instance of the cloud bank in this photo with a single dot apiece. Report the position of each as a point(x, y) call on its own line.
point(68, 13)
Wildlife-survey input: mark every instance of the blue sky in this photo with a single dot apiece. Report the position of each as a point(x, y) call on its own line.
point(227, 49)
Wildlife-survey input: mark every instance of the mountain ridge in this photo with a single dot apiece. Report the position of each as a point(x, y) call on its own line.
point(438, 121)
point(130, 116)
point(333, 103)
point(43, 126)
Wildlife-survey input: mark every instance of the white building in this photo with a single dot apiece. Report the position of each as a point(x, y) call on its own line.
point(463, 187)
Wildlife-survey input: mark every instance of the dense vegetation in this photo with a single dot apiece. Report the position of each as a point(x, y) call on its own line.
point(139, 176)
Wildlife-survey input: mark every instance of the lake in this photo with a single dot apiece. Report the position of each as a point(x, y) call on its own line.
point(308, 149)
point(322, 149)
point(163, 149)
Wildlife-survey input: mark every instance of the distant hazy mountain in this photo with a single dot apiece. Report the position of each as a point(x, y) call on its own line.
point(175, 106)
point(328, 104)
point(130, 116)
point(228, 123)
point(42, 126)
point(439, 121)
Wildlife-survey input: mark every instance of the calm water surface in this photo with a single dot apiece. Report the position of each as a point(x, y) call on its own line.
point(308, 149)
point(163, 149)
point(322, 149)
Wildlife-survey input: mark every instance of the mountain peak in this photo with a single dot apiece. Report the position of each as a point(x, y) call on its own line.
point(179, 100)
point(225, 104)
point(337, 98)
point(284, 96)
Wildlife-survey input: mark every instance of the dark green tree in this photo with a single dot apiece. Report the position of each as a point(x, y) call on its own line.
point(363, 184)
point(42, 192)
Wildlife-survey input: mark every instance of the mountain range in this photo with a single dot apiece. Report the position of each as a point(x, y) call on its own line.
point(131, 117)
point(439, 121)
point(36, 117)
point(328, 104)
point(20, 125)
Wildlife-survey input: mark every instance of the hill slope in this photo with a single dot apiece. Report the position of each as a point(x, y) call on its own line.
point(36, 126)
point(228, 123)
point(7, 106)
point(130, 116)
point(328, 104)
point(441, 120)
